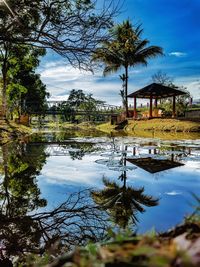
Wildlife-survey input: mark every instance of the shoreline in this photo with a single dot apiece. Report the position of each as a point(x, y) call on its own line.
point(155, 128)
point(171, 129)
point(10, 130)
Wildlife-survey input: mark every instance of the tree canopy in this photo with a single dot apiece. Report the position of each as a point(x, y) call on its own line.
point(21, 83)
point(182, 101)
point(71, 28)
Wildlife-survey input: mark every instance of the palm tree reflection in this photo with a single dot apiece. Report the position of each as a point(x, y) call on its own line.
point(122, 203)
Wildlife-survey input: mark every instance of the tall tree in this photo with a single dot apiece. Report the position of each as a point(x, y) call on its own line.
point(20, 81)
point(122, 91)
point(126, 49)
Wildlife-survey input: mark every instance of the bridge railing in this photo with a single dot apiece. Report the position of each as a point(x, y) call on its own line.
point(65, 107)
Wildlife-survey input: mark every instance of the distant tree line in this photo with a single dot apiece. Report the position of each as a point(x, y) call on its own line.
point(79, 101)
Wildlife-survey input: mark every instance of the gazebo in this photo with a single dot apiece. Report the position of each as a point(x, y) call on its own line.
point(156, 91)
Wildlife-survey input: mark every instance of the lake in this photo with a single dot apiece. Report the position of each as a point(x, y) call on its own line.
point(76, 186)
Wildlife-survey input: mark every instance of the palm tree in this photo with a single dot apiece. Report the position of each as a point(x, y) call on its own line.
point(122, 91)
point(126, 49)
point(122, 203)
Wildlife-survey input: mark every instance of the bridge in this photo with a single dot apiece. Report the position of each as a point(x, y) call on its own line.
point(55, 107)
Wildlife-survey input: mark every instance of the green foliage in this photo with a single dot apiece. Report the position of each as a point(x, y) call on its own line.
point(14, 94)
point(182, 101)
point(22, 84)
point(20, 195)
point(78, 100)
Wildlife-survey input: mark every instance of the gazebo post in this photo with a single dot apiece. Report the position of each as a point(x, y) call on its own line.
point(156, 103)
point(135, 111)
point(150, 108)
point(174, 107)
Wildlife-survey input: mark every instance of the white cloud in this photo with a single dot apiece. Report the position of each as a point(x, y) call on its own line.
point(192, 84)
point(68, 172)
point(173, 193)
point(59, 98)
point(63, 73)
point(60, 79)
point(177, 54)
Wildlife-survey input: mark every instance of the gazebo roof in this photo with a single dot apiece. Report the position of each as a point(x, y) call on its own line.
point(156, 90)
point(154, 165)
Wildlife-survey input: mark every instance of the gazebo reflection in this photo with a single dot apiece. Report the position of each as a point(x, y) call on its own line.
point(154, 162)
point(152, 165)
point(121, 202)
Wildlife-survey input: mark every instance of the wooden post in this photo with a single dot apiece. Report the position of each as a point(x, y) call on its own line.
point(174, 107)
point(135, 111)
point(134, 151)
point(150, 110)
point(156, 103)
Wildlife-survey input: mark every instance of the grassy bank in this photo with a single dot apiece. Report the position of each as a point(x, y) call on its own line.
point(157, 128)
point(10, 130)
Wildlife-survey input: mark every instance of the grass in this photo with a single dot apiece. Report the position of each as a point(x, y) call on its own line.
point(165, 125)
point(158, 128)
point(10, 130)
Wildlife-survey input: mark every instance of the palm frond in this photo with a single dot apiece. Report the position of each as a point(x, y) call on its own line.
point(111, 69)
point(150, 52)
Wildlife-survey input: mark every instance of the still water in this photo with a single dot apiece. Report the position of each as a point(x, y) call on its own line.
point(75, 187)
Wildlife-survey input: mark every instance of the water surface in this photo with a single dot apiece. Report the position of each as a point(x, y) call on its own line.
point(138, 183)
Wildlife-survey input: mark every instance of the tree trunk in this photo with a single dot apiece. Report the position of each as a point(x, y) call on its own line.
point(126, 89)
point(4, 71)
point(4, 100)
point(6, 179)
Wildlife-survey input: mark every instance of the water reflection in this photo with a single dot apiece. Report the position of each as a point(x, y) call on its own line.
point(24, 224)
point(29, 220)
point(122, 202)
point(156, 161)
point(152, 158)
point(20, 195)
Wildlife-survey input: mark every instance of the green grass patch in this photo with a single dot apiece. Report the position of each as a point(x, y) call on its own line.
point(10, 130)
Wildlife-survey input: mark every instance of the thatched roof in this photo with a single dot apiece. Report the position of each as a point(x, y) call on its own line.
point(156, 90)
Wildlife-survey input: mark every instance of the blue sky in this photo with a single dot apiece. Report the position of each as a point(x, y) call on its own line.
point(172, 24)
